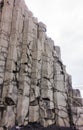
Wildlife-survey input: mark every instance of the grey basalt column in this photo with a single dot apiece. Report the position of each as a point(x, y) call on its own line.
point(47, 102)
point(60, 90)
point(25, 71)
point(77, 108)
point(10, 92)
point(26, 84)
point(35, 90)
point(46, 95)
point(5, 32)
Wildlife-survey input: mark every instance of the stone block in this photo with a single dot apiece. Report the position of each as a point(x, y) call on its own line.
point(33, 113)
point(9, 117)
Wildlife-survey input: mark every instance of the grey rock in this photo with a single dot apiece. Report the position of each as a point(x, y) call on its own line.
point(34, 84)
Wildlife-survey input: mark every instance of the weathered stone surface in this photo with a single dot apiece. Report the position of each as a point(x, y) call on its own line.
point(34, 113)
point(77, 109)
point(34, 84)
point(9, 117)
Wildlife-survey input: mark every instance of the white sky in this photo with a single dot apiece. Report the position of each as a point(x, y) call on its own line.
point(64, 20)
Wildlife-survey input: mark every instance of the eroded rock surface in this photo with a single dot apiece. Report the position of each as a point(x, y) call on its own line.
point(34, 84)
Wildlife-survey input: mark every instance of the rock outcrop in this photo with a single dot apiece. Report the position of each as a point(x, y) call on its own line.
point(34, 84)
point(77, 109)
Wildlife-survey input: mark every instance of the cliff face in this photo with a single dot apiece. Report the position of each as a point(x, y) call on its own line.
point(34, 84)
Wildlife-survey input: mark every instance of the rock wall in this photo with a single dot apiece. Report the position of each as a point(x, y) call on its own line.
point(34, 84)
point(77, 109)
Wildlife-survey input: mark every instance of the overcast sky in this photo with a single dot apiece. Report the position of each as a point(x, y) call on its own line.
point(64, 20)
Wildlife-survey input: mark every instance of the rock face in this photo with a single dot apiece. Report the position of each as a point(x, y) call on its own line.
point(77, 109)
point(34, 84)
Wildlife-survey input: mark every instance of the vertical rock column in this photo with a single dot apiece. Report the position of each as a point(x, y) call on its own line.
point(60, 90)
point(35, 91)
point(25, 70)
point(68, 85)
point(46, 100)
point(10, 92)
point(11, 63)
point(24, 75)
point(5, 31)
point(77, 109)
